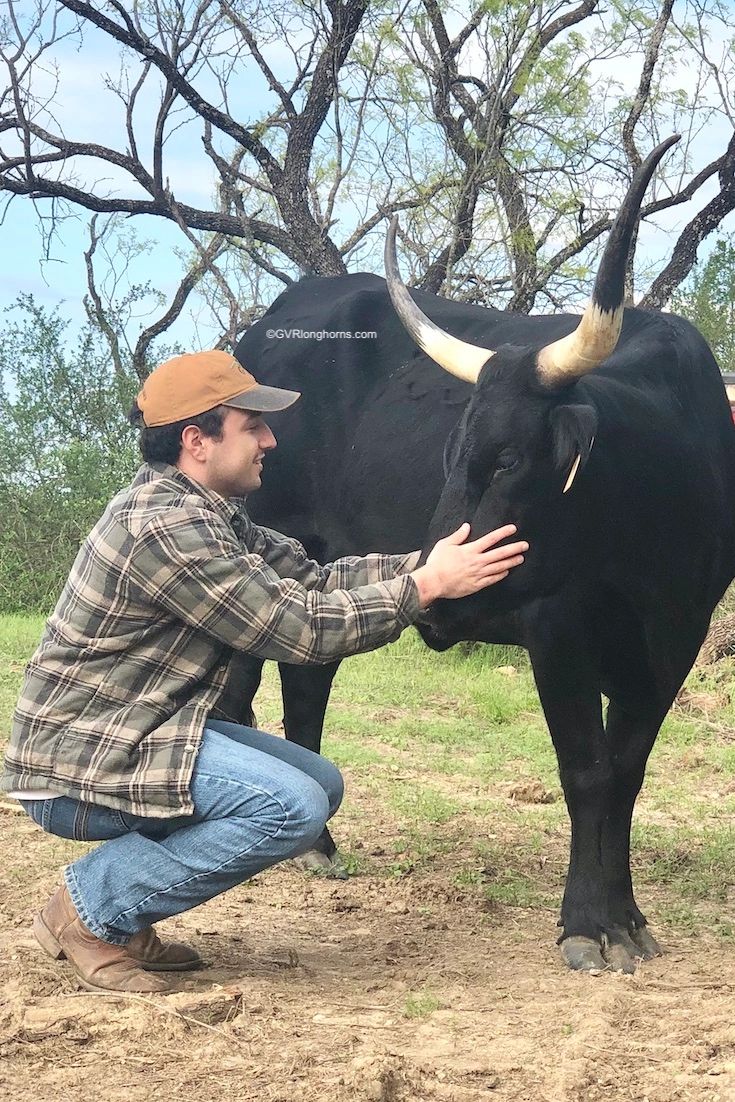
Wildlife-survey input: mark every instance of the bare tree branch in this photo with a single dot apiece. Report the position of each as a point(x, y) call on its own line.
point(94, 307)
point(129, 36)
point(684, 255)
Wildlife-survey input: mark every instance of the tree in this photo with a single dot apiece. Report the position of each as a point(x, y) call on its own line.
point(505, 138)
point(66, 445)
point(65, 448)
point(708, 300)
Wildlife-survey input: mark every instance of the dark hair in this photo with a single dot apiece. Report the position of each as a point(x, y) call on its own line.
point(162, 444)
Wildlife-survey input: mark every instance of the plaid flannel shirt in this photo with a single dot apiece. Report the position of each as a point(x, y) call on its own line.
point(172, 579)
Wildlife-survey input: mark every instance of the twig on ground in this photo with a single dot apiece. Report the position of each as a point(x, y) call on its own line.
point(128, 996)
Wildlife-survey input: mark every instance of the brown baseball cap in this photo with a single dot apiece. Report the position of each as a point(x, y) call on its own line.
point(197, 381)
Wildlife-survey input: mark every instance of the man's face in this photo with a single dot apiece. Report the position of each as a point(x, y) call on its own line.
point(233, 464)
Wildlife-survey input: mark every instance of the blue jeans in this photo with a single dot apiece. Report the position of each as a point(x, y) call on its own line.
point(258, 800)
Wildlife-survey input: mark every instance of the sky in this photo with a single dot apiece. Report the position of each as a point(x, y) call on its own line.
point(86, 111)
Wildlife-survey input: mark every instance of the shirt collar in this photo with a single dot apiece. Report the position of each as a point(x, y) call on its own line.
point(229, 508)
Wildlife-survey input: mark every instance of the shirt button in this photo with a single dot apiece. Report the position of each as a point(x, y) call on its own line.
point(190, 747)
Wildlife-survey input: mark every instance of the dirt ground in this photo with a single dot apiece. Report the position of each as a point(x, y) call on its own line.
point(385, 987)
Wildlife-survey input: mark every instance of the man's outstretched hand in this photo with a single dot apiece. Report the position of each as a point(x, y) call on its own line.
point(456, 568)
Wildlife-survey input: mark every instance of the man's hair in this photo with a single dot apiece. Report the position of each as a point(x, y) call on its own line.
point(162, 444)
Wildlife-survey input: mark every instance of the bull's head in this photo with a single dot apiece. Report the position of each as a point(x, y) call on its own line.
point(519, 452)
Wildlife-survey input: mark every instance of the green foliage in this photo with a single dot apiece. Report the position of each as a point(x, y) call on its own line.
point(708, 300)
point(65, 448)
point(419, 1004)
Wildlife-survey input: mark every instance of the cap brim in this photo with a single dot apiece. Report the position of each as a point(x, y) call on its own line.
point(264, 399)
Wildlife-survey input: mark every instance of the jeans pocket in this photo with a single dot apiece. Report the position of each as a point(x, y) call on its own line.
point(78, 821)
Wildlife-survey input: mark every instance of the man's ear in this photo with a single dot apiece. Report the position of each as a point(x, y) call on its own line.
point(191, 441)
point(573, 431)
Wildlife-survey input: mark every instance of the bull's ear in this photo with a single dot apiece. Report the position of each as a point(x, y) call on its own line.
point(573, 431)
point(452, 446)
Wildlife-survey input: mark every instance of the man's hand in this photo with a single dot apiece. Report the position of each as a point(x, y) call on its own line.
point(455, 568)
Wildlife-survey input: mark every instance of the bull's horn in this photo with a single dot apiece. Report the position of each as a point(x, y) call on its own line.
point(458, 357)
point(597, 333)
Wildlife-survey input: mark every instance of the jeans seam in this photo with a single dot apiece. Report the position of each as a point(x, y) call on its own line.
point(284, 814)
point(46, 810)
point(332, 786)
point(92, 925)
point(79, 823)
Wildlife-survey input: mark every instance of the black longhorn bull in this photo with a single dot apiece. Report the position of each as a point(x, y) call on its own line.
point(607, 441)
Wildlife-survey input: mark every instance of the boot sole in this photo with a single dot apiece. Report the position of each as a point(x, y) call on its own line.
point(192, 967)
point(119, 990)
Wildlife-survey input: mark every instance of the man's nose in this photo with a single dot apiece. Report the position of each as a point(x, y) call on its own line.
point(267, 439)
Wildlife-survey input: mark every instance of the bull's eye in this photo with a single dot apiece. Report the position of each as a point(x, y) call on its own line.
point(506, 461)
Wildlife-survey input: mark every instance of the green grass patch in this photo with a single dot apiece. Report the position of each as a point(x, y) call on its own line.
point(355, 753)
point(19, 635)
point(419, 1004)
point(423, 805)
point(18, 638)
point(697, 864)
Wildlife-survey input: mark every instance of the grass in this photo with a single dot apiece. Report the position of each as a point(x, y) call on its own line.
point(435, 745)
point(419, 1004)
point(18, 637)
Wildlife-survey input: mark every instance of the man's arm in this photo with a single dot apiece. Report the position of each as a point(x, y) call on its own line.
point(190, 564)
point(288, 558)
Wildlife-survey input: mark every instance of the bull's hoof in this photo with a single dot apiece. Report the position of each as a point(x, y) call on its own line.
point(318, 864)
point(582, 954)
point(647, 944)
point(618, 952)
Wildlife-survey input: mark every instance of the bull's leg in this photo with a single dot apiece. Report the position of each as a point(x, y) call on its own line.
point(631, 734)
point(305, 691)
point(597, 899)
point(602, 772)
point(632, 725)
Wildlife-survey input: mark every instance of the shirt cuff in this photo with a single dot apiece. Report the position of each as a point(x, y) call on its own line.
point(404, 564)
point(407, 600)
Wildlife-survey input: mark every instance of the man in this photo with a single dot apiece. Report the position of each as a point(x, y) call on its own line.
point(118, 735)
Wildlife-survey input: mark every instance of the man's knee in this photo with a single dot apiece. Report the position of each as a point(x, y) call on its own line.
point(292, 816)
point(307, 813)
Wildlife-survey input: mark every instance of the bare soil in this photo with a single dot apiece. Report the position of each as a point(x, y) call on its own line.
point(387, 987)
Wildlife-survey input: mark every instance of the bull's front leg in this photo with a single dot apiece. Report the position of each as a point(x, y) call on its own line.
point(601, 924)
point(631, 732)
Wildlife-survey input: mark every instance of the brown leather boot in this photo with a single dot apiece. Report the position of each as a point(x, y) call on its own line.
point(162, 956)
point(99, 965)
